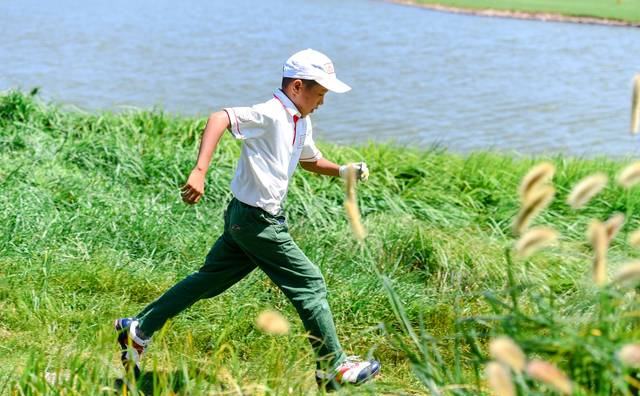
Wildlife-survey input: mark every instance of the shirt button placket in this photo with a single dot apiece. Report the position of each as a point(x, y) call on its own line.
point(295, 126)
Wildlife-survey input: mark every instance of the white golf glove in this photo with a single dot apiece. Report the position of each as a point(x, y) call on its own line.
point(362, 172)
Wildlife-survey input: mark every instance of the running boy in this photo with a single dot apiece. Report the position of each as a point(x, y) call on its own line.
point(276, 135)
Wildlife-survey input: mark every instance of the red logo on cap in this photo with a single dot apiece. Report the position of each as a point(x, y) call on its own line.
point(328, 67)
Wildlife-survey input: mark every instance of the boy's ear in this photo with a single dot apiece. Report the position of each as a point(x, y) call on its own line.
point(296, 86)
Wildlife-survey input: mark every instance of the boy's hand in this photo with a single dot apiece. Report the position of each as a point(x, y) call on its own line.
point(362, 172)
point(194, 189)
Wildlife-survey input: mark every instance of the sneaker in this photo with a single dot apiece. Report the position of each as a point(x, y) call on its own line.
point(353, 371)
point(132, 346)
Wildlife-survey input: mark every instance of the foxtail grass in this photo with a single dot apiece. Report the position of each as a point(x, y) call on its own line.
point(628, 273)
point(629, 355)
point(499, 380)
point(635, 105)
point(506, 351)
point(272, 322)
point(351, 206)
point(586, 189)
point(537, 201)
point(597, 236)
point(634, 238)
point(613, 225)
point(630, 175)
point(550, 375)
point(535, 177)
point(534, 240)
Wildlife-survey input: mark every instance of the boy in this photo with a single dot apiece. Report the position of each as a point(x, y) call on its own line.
point(276, 136)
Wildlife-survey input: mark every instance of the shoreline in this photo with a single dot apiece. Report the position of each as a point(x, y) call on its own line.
point(122, 112)
point(526, 15)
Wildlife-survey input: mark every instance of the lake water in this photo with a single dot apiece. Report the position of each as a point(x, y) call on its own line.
point(419, 77)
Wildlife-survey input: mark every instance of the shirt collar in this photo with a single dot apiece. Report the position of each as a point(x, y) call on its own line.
point(286, 103)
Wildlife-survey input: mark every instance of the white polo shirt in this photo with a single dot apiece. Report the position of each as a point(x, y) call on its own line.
point(275, 139)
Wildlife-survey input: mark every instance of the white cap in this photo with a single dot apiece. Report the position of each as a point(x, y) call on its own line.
point(313, 65)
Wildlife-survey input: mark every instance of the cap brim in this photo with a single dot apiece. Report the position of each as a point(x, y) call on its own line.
point(333, 85)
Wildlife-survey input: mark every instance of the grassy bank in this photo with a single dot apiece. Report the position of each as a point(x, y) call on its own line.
point(623, 10)
point(92, 228)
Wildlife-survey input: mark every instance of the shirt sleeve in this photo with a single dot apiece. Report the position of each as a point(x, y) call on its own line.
point(246, 122)
point(310, 152)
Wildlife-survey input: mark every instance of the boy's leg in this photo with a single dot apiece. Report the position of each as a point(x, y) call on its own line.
point(268, 243)
point(225, 265)
point(302, 282)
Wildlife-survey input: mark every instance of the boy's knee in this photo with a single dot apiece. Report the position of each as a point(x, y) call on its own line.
point(318, 287)
point(312, 299)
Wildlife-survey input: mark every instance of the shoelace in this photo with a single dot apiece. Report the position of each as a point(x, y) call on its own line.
point(350, 362)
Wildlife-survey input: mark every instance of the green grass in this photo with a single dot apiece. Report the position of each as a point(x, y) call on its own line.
point(92, 228)
point(625, 10)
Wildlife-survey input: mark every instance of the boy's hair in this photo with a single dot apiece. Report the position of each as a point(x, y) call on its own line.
point(308, 84)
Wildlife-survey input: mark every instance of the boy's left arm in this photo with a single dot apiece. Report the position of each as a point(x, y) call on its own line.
point(311, 159)
point(322, 166)
point(325, 167)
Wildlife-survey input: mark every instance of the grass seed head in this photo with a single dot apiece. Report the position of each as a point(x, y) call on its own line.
point(635, 105)
point(534, 240)
point(586, 189)
point(634, 238)
point(629, 355)
point(628, 274)
point(597, 236)
point(351, 206)
point(549, 375)
point(499, 380)
point(535, 177)
point(613, 225)
point(537, 201)
point(224, 376)
point(630, 175)
point(507, 352)
point(272, 322)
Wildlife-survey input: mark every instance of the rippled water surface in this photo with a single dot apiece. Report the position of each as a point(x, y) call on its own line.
point(419, 77)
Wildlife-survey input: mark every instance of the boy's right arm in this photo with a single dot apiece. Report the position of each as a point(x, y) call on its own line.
point(193, 190)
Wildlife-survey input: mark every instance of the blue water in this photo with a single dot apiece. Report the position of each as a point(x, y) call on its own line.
point(419, 77)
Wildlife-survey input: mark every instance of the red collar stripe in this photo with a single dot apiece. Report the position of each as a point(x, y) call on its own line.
point(295, 120)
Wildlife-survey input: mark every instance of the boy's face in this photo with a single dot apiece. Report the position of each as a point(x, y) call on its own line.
point(307, 99)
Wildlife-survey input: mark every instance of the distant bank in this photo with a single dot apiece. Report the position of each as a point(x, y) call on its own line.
point(599, 12)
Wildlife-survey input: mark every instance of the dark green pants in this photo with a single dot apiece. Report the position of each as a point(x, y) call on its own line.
point(254, 238)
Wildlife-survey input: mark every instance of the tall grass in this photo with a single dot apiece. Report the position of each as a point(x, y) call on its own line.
point(92, 228)
point(592, 338)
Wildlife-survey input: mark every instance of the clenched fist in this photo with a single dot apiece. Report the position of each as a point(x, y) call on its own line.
point(194, 189)
point(362, 172)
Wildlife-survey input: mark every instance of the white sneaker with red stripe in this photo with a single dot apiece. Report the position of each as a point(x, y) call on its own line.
point(353, 371)
point(131, 345)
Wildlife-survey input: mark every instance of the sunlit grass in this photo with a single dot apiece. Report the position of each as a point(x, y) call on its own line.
point(92, 228)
